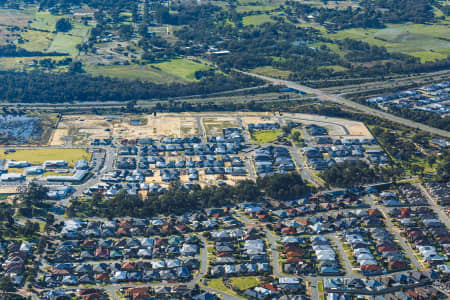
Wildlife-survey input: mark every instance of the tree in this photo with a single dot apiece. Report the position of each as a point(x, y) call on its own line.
point(76, 67)
point(296, 136)
point(34, 194)
point(431, 160)
point(286, 130)
point(6, 286)
point(42, 244)
point(63, 25)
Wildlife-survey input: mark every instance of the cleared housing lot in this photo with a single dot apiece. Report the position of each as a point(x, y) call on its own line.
point(81, 129)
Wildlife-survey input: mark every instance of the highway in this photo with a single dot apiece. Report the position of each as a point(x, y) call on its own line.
point(321, 95)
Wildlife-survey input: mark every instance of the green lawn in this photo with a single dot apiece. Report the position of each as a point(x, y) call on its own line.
point(256, 20)
point(335, 68)
point(45, 20)
point(181, 68)
point(38, 156)
point(65, 43)
point(320, 286)
point(216, 283)
point(273, 72)
point(428, 55)
point(37, 40)
point(265, 136)
point(176, 70)
point(244, 283)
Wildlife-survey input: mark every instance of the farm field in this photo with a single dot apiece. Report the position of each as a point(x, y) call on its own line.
point(132, 72)
point(13, 17)
point(177, 70)
point(420, 40)
point(38, 156)
point(182, 68)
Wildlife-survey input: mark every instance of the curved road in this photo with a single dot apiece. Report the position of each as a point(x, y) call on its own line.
point(334, 98)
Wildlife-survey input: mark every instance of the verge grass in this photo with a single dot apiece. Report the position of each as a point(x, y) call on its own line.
point(38, 156)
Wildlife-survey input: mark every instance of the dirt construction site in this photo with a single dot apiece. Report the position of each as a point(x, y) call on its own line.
point(79, 130)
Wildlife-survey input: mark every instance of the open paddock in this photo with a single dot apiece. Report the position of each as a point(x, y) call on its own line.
point(38, 156)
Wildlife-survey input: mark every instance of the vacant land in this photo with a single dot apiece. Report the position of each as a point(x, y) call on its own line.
point(245, 282)
point(13, 17)
point(214, 126)
point(217, 283)
point(265, 136)
point(159, 126)
point(176, 70)
point(147, 72)
point(38, 156)
point(272, 72)
point(59, 137)
point(182, 68)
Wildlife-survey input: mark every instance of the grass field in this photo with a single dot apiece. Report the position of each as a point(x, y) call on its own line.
point(182, 68)
point(248, 8)
point(132, 72)
point(408, 38)
point(44, 20)
point(428, 55)
point(216, 283)
point(271, 71)
point(265, 136)
point(37, 40)
point(335, 68)
point(176, 70)
point(16, 62)
point(65, 43)
point(13, 17)
point(244, 283)
point(38, 156)
point(256, 20)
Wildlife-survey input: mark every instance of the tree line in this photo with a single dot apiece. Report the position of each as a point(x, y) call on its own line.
point(11, 50)
point(37, 86)
point(177, 200)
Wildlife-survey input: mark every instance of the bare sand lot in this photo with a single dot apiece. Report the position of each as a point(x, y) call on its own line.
point(82, 128)
point(162, 125)
point(214, 125)
point(59, 137)
point(269, 118)
point(335, 126)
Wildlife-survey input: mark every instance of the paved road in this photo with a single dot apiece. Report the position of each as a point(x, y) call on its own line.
point(436, 208)
point(337, 99)
point(201, 129)
point(406, 248)
point(203, 257)
point(347, 265)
